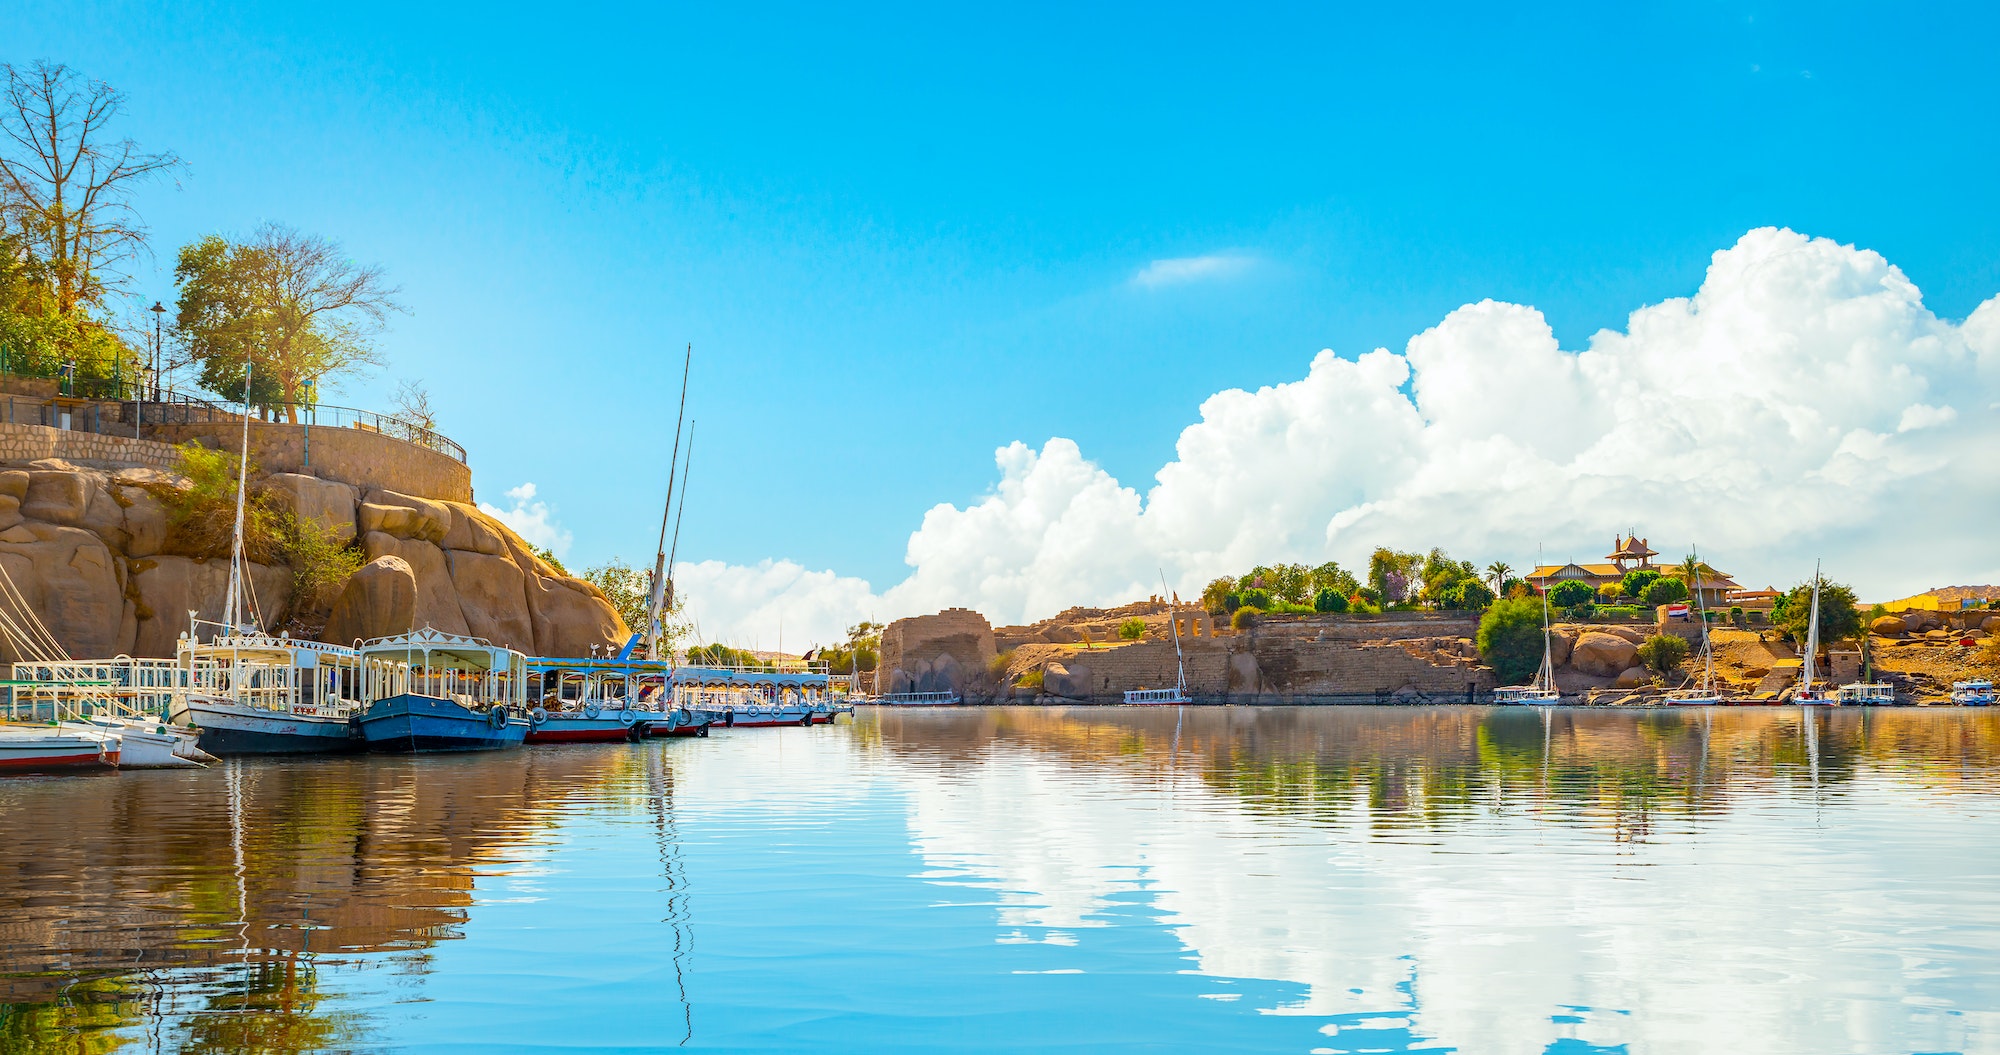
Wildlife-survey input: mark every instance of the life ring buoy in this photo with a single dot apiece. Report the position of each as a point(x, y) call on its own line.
point(754, 711)
point(592, 710)
point(538, 716)
point(627, 717)
point(496, 716)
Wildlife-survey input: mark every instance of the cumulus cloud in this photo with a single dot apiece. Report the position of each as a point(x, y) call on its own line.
point(531, 519)
point(1180, 270)
point(1801, 404)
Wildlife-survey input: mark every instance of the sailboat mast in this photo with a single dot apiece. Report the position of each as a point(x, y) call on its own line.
point(1701, 612)
point(1174, 623)
point(1806, 670)
point(655, 609)
point(231, 608)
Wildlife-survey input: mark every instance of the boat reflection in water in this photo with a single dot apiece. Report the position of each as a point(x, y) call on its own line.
point(1341, 879)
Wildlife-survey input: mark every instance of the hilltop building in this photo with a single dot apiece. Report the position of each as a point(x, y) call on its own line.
point(1633, 554)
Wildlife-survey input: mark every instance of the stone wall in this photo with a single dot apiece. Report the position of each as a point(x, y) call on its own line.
point(361, 457)
point(948, 651)
point(365, 459)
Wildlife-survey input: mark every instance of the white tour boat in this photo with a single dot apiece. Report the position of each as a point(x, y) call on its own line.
point(917, 699)
point(1178, 694)
point(1976, 693)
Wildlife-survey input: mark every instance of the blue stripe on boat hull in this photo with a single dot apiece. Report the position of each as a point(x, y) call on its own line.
point(423, 723)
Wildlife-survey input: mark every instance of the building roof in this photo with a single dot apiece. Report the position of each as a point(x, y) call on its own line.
point(1629, 549)
point(1551, 571)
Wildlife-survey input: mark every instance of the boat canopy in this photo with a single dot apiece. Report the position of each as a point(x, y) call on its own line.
point(437, 650)
point(799, 679)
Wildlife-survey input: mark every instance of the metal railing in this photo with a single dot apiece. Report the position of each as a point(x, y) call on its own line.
point(124, 417)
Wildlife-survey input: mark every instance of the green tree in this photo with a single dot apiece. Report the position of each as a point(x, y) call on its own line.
point(1510, 639)
point(861, 652)
point(1331, 576)
point(1571, 592)
point(1214, 596)
point(291, 304)
point(1256, 597)
point(1666, 590)
point(1329, 599)
point(627, 588)
point(1663, 652)
point(1391, 574)
point(1839, 616)
point(1467, 595)
point(1635, 582)
point(1244, 618)
point(1132, 629)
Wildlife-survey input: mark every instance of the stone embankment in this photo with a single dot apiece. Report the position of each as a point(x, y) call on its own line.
point(1079, 655)
point(84, 534)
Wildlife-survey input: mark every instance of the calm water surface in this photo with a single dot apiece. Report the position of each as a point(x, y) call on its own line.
point(1090, 880)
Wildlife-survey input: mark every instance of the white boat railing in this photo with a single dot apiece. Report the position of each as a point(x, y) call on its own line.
point(48, 691)
point(1156, 696)
point(918, 699)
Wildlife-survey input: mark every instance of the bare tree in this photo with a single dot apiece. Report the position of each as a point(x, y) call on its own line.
point(291, 303)
point(413, 404)
point(65, 185)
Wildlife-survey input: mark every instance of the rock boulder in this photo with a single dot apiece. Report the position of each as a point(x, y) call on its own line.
point(1632, 678)
point(71, 581)
point(166, 588)
point(426, 521)
point(378, 600)
point(491, 596)
point(437, 598)
point(1603, 655)
point(1888, 626)
point(328, 503)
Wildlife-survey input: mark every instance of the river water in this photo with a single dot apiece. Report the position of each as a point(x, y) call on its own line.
point(1011, 880)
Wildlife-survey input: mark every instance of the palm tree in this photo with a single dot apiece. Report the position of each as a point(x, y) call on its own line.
point(1498, 571)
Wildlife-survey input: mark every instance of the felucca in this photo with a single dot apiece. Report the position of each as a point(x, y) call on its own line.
point(1178, 694)
point(1703, 693)
point(1809, 695)
point(1542, 691)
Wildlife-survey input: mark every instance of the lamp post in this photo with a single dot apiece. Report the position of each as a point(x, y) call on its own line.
point(157, 311)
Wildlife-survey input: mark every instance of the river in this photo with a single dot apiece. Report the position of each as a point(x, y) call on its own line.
point(1024, 879)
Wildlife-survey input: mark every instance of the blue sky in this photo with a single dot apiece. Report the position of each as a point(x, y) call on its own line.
point(902, 237)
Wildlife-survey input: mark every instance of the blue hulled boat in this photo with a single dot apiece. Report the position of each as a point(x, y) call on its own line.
point(432, 691)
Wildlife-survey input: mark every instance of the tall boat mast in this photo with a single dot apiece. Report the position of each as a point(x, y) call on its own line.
point(1174, 622)
point(655, 610)
point(1806, 670)
point(231, 608)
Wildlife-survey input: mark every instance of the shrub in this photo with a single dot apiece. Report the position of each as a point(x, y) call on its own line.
point(1254, 597)
point(1132, 629)
point(1610, 593)
point(1736, 615)
point(1329, 600)
point(320, 563)
point(1581, 613)
point(1244, 618)
point(1510, 638)
point(1666, 591)
point(1634, 583)
point(1663, 652)
point(1467, 595)
point(1369, 596)
point(1000, 662)
point(1031, 679)
point(1569, 593)
point(201, 517)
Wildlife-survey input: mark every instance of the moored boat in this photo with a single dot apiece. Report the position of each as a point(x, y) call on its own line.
point(26, 748)
point(1809, 694)
point(1178, 694)
point(750, 698)
point(442, 692)
point(1867, 694)
point(1975, 693)
point(1542, 691)
point(248, 693)
point(1702, 693)
point(921, 699)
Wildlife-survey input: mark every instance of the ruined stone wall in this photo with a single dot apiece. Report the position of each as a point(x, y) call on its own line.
point(946, 652)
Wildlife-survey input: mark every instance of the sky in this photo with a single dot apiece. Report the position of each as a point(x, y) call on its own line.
point(1021, 307)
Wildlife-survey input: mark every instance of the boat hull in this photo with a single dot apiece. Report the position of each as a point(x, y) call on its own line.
point(419, 724)
point(773, 717)
point(233, 729)
point(577, 729)
point(33, 751)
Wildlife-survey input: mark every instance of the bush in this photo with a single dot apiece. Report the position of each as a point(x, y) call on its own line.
point(1000, 662)
point(1610, 593)
point(1581, 613)
point(1510, 639)
point(1132, 629)
point(1569, 593)
point(1663, 652)
point(1467, 595)
point(1329, 600)
point(1736, 615)
point(1255, 597)
point(201, 517)
point(1666, 591)
point(1031, 679)
point(320, 563)
point(1244, 618)
point(1369, 596)
point(1634, 583)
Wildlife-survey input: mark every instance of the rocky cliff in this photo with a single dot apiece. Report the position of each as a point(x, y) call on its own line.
point(83, 545)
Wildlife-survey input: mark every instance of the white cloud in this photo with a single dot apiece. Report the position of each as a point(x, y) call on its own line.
point(1175, 271)
point(531, 519)
point(1792, 408)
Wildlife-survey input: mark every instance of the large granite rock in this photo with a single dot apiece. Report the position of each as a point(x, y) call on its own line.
point(1071, 679)
point(378, 600)
point(492, 597)
point(437, 598)
point(1603, 655)
point(328, 503)
point(166, 588)
point(472, 531)
point(1889, 626)
point(405, 517)
point(73, 584)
